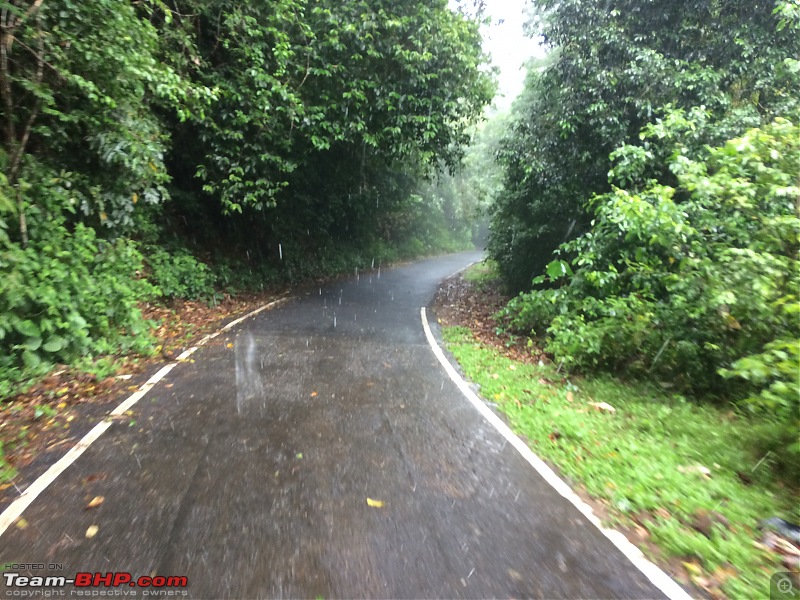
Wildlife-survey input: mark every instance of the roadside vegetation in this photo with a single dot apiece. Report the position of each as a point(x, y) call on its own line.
point(647, 230)
point(649, 212)
point(153, 153)
point(688, 482)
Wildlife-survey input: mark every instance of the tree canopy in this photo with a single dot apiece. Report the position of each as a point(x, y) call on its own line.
point(189, 141)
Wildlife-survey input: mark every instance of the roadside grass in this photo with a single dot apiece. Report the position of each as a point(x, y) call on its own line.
point(646, 462)
point(482, 273)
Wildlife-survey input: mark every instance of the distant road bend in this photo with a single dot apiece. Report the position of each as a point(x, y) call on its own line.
point(319, 449)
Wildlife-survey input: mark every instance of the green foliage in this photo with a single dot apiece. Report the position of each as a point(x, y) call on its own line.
point(67, 295)
point(78, 84)
point(695, 284)
point(613, 68)
point(297, 81)
point(306, 126)
point(178, 274)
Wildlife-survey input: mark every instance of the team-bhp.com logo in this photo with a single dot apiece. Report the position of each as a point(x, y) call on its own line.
point(94, 580)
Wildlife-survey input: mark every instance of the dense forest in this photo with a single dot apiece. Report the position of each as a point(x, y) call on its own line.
point(155, 150)
point(650, 205)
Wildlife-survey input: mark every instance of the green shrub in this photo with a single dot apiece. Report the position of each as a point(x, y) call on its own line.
point(695, 284)
point(66, 295)
point(178, 274)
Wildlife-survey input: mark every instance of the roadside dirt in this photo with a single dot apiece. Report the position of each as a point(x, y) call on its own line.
point(38, 426)
point(463, 303)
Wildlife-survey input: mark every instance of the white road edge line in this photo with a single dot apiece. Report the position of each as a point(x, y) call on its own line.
point(656, 576)
point(18, 506)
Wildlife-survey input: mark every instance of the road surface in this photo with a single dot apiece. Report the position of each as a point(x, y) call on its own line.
point(249, 471)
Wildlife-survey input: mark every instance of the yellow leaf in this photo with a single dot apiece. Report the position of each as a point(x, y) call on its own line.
point(375, 503)
point(229, 345)
point(103, 216)
point(693, 569)
point(313, 394)
point(135, 198)
point(96, 501)
point(62, 405)
point(92, 531)
point(22, 523)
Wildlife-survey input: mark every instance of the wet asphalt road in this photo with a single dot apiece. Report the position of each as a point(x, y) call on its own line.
point(248, 471)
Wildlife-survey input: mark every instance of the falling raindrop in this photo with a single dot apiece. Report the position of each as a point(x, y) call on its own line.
point(280, 251)
point(571, 225)
point(334, 321)
point(373, 264)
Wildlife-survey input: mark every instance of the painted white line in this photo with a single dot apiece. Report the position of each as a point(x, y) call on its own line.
point(454, 273)
point(15, 509)
point(18, 506)
point(143, 389)
point(656, 576)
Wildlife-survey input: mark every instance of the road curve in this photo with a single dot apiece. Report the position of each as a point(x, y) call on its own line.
point(249, 471)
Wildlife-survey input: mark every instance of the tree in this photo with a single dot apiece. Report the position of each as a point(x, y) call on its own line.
point(617, 67)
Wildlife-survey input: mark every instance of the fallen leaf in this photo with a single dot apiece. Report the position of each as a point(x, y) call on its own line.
point(313, 394)
point(96, 501)
point(725, 572)
point(662, 512)
point(603, 407)
point(229, 345)
point(641, 532)
point(22, 523)
point(693, 569)
point(299, 455)
point(570, 397)
point(375, 503)
point(92, 531)
point(704, 471)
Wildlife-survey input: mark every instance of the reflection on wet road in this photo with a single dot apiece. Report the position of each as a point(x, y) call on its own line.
point(249, 470)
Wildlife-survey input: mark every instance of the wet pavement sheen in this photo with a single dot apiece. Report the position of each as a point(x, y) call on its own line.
point(249, 470)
